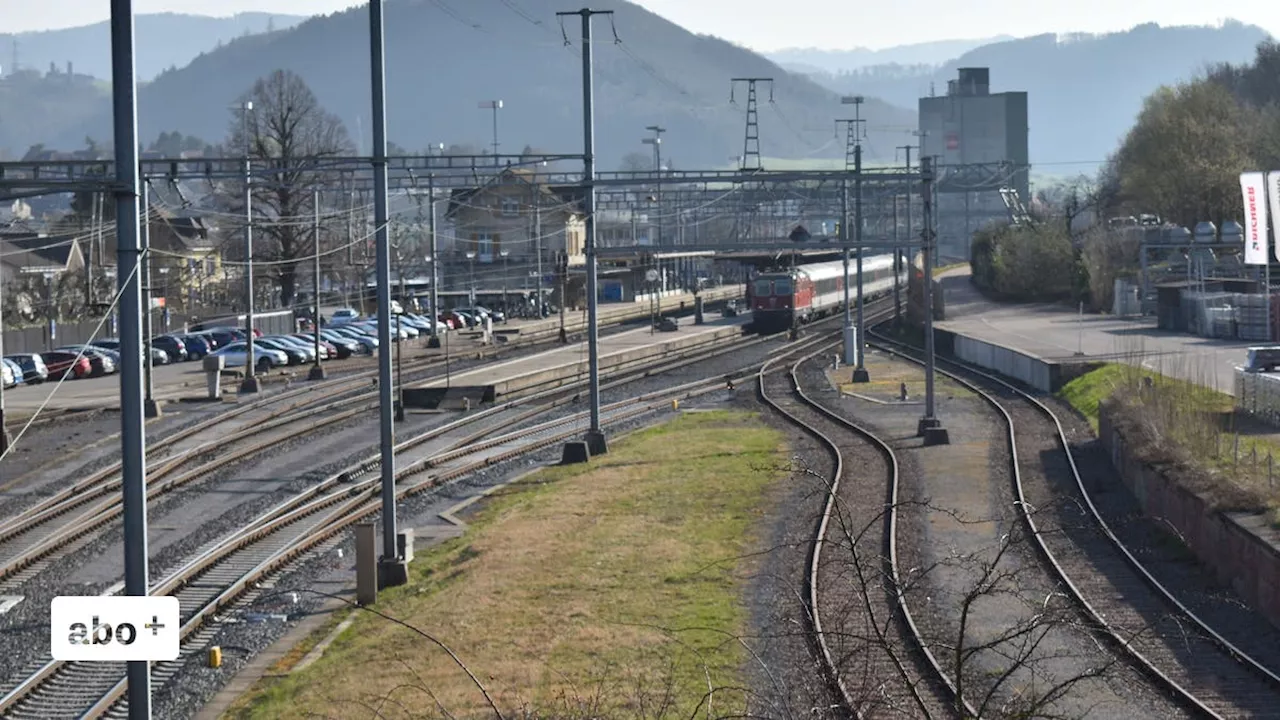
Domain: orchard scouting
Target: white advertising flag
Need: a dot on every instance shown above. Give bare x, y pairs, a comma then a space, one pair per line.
1273, 189
1253, 186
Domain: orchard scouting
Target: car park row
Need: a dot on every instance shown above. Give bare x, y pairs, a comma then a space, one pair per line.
346, 335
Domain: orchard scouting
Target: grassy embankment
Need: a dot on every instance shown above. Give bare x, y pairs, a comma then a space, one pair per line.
1190, 425
619, 580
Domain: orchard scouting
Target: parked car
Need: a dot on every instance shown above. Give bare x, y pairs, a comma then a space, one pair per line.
10, 373
101, 360
344, 315
308, 346
471, 319
171, 344
308, 349
221, 336
197, 346
158, 356
33, 368
66, 364
293, 355
428, 322
452, 319
264, 358
368, 343
334, 350
497, 315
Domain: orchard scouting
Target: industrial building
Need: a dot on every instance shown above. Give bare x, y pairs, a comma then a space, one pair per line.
971, 126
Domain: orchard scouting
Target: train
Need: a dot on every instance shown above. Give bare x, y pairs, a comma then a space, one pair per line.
784, 298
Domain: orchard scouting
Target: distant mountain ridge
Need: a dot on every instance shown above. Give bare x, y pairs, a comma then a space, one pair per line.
836, 61
1084, 91
164, 40
658, 73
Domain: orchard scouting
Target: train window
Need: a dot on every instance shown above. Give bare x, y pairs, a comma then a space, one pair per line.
782, 286
762, 288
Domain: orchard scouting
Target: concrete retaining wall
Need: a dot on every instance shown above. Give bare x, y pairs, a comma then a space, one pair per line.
1030, 371
1044, 375
1241, 549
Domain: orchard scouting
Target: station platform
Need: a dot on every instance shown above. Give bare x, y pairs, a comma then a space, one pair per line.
569, 363
1053, 333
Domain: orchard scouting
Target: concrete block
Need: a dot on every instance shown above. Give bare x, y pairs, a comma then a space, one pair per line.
392, 572
575, 452
404, 544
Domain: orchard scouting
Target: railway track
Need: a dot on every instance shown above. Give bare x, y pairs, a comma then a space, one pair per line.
254, 411
223, 575
62, 523
873, 652
1181, 651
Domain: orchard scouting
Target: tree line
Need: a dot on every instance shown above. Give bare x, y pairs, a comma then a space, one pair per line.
1183, 157
1181, 161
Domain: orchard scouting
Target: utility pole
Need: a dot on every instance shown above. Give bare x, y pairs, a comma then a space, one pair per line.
656, 142
930, 427
317, 372
434, 342
850, 330
133, 434
562, 271
853, 142
393, 570
250, 382
149, 406
595, 438
897, 251
537, 239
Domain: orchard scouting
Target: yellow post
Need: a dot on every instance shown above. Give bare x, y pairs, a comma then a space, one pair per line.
215, 656
675, 404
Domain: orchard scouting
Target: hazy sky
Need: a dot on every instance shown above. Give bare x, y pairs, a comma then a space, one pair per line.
766, 24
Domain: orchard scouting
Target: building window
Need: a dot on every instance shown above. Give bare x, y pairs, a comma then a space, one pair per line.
485, 243
510, 207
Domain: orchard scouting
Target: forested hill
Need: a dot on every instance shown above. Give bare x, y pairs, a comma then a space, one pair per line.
442, 60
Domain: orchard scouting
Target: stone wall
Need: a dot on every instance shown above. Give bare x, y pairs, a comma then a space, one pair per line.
1241, 549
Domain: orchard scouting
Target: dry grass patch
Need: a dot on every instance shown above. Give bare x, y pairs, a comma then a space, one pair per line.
588, 590
887, 375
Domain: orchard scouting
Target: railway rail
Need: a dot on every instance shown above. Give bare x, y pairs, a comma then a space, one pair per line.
1181, 651
225, 573
915, 677
62, 523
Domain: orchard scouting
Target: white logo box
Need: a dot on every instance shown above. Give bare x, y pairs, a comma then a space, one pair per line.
114, 629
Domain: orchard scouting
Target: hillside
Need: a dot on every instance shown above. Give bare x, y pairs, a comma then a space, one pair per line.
32, 103
441, 64
1084, 91
164, 40
838, 61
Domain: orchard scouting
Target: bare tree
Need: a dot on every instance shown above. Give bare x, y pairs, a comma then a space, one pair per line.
292, 133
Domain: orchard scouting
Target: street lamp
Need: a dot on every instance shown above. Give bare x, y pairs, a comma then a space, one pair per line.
471, 257
505, 307
495, 106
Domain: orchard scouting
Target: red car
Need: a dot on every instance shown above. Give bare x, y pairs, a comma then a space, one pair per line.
67, 364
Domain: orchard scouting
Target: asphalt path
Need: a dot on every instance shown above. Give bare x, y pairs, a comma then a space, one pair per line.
1054, 332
